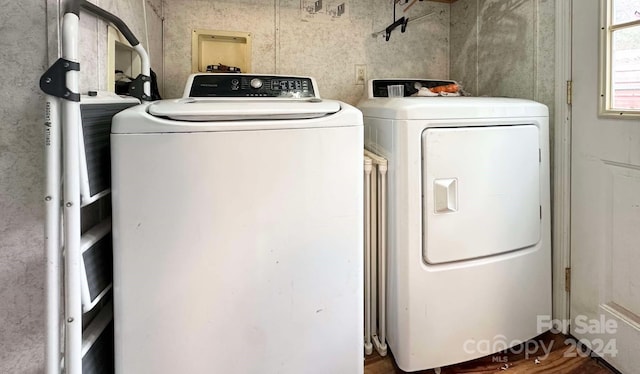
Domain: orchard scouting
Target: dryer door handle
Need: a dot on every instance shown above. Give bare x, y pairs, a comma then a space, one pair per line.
445, 195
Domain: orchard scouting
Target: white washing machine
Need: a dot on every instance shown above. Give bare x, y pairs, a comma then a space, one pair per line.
237, 230
469, 229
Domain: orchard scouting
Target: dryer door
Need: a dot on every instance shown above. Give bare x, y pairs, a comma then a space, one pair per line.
481, 191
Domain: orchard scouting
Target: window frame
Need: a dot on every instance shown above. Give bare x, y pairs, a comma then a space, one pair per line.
607, 28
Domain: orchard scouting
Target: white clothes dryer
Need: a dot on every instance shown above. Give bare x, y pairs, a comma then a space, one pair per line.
237, 230
469, 253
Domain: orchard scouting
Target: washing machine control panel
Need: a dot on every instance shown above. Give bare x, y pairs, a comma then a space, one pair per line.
246, 85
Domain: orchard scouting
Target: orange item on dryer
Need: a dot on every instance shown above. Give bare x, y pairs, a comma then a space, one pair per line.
450, 88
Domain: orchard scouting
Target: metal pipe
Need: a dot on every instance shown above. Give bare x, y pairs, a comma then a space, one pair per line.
145, 63
379, 270
368, 347
373, 234
411, 20
382, 169
71, 156
52, 233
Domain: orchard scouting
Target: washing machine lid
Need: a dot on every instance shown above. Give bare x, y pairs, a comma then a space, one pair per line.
170, 116
212, 110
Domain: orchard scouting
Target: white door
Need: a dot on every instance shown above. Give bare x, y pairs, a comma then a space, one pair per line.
605, 215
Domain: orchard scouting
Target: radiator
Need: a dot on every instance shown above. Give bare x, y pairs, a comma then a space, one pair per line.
375, 253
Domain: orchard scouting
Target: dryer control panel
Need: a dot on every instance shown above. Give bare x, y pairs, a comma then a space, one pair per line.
250, 86
379, 87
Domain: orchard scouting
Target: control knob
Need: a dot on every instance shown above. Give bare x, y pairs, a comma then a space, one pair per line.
256, 83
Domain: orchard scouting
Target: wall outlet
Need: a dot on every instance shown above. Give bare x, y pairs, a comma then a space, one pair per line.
361, 74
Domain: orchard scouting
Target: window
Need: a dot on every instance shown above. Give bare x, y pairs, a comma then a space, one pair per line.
620, 83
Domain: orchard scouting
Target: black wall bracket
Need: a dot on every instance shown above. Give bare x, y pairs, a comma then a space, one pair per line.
54, 81
136, 88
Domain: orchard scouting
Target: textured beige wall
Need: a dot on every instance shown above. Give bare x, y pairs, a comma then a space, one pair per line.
284, 44
23, 58
504, 48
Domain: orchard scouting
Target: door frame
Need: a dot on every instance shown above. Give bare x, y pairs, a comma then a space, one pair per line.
561, 207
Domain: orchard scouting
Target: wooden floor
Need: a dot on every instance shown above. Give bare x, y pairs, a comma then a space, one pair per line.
557, 361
